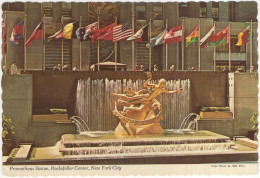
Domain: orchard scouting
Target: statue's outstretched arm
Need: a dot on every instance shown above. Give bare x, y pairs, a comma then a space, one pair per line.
129, 98
118, 95
171, 92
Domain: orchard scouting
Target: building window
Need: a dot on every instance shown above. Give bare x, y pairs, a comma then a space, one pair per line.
234, 48
158, 11
140, 11
47, 9
203, 10
215, 11
66, 9
183, 9
232, 7
53, 53
15, 6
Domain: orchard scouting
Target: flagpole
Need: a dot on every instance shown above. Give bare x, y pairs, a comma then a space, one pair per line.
182, 45
5, 12
115, 48
24, 28
199, 46
150, 49
214, 54
251, 45
80, 50
62, 47
133, 43
166, 50
98, 47
43, 45
229, 47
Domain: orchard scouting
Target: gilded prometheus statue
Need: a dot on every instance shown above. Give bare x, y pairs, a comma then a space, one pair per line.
139, 112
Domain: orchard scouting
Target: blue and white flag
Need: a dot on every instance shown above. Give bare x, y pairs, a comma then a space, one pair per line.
157, 40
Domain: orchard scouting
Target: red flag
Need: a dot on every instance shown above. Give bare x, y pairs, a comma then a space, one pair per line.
37, 34
105, 33
174, 35
221, 37
17, 32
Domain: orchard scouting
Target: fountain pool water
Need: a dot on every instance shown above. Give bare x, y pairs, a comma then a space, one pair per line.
109, 145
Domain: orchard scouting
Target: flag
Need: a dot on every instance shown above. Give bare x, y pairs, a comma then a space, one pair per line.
69, 31
17, 32
105, 33
157, 40
122, 31
80, 33
50, 38
140, 35
89, 29
205, 39
84, 33
244, 36
4, 43
174, 35
193, 37
219, 38
37, 34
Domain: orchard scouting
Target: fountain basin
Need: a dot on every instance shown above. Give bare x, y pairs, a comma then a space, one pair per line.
169, 148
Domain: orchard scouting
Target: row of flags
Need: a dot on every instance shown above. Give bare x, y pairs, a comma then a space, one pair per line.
221, 37
120, 32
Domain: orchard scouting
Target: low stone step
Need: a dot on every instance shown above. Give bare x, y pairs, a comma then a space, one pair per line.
23, 152
246, 141
4, 159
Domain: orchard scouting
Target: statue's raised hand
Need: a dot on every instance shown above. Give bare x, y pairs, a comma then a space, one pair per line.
179, 90
148, 74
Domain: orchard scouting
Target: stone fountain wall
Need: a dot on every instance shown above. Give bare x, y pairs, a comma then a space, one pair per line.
95, 105
58, 89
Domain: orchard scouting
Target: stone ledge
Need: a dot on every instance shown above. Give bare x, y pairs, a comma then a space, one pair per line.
50, 118
217, 115
23, 152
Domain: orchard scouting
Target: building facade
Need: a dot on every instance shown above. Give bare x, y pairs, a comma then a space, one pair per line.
162, 15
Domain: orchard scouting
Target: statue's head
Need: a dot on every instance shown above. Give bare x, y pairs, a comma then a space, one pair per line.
162, 82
